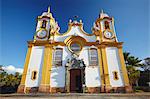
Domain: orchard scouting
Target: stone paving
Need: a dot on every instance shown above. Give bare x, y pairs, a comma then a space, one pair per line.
77, 96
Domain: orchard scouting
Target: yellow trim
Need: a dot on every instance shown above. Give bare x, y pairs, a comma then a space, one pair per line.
123, 67
26, 64
113, 25
105, 66
74, 39
47, 65
114, 28
101, 66
77, 39
69, 47
100, 19
100, 31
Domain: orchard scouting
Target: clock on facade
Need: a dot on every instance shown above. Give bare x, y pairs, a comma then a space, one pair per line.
42, 33
108, 34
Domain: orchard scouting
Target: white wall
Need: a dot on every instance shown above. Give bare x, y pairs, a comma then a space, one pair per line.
84, 55
113, 62
92, 77
92, 74
57, 78
35, 64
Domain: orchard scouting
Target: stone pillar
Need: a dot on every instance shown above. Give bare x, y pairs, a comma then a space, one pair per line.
105, 67
101, 70
128, 88
21, 87
68, 80
46, 70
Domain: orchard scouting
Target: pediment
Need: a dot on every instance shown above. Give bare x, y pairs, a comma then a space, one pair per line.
76, 29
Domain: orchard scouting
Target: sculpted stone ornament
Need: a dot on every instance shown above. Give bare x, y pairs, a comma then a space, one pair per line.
75, 62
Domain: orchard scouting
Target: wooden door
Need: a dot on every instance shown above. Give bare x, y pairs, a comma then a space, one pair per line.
75, 80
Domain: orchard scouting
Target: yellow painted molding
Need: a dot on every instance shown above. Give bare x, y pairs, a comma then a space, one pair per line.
123, 67
26, 64
105, 66
47, 65
101, 19
101, 66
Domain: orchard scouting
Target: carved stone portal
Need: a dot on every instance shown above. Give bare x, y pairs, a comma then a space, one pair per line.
75, 75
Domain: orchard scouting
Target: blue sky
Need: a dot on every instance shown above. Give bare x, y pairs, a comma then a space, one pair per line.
18, 22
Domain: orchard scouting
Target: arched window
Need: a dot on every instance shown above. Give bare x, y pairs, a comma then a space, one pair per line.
44, 24
107, 25
115, 75
75, 47
57, 57
34, 74
93, 57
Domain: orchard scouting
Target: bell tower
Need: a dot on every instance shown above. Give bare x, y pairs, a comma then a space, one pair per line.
104, 28
46, 26
111, 55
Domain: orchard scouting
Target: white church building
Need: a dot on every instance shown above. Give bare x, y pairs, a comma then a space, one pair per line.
74, 61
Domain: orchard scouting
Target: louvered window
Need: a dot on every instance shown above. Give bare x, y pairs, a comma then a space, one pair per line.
57, 57
93, 57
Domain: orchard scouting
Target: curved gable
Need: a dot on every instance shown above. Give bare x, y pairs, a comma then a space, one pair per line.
75, 28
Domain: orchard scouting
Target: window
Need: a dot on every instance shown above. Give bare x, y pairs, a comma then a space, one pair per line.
34, 74
115, 75
57, 57
107, 25
44, 24
75, 47
93, 57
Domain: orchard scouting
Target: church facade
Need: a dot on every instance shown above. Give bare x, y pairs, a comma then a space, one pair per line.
74, 61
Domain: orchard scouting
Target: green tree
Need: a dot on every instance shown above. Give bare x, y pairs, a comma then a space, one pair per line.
9, 82
134, 75
132, 63
126, 56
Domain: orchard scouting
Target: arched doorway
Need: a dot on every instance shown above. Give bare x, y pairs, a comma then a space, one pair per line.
75, 75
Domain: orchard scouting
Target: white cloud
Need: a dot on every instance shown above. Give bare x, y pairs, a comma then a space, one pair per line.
10, 69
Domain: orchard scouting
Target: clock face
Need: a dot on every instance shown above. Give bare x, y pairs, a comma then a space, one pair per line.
108, 34
42, 34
